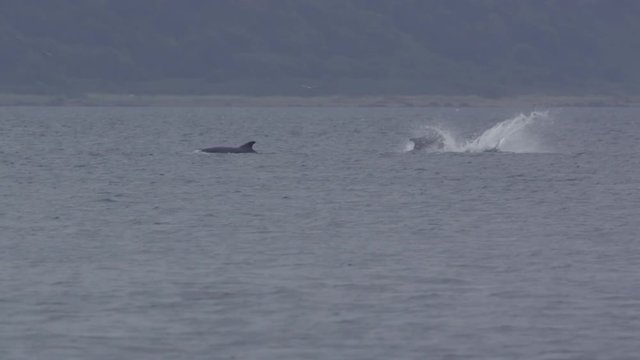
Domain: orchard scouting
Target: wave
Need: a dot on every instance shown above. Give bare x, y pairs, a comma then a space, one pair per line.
517, 135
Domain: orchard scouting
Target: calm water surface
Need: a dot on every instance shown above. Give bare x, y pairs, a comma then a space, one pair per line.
119, 241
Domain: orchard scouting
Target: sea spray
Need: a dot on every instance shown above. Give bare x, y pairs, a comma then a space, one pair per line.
515, 135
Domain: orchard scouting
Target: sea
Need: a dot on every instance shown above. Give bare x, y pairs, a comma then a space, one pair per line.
517, 237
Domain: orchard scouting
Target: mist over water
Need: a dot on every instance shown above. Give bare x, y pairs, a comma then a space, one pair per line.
119, 241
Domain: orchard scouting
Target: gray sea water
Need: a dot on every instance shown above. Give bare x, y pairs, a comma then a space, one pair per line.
118, 240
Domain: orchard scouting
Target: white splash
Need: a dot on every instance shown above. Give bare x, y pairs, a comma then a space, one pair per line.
515, 135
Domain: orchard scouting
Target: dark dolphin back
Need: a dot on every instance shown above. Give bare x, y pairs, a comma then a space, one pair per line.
246, 148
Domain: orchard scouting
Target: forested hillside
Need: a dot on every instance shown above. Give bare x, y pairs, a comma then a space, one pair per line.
313, 47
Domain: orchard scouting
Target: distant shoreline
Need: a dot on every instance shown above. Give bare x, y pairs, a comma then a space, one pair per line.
123, 100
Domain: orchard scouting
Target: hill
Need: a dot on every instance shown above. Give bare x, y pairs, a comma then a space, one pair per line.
309, 47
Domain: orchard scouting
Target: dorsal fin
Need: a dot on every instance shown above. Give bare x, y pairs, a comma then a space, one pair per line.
248, 146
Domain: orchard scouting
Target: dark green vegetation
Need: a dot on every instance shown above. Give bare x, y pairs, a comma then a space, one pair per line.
491, 48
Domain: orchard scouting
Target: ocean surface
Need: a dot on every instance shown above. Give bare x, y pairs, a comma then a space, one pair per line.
517, 237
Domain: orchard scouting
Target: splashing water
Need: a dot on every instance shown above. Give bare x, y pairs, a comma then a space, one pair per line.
512, 135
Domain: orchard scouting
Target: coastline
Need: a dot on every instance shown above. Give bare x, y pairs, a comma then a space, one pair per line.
114, 100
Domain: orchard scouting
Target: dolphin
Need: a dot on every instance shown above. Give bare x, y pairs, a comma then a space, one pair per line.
428, 142
246, 148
